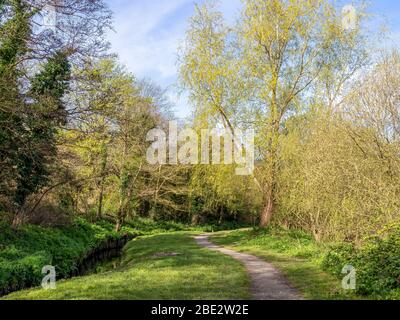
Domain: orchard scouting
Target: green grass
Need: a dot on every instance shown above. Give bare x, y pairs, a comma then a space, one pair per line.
195, 273
295, 253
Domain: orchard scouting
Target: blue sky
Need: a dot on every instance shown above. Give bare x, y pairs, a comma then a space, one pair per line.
148, 33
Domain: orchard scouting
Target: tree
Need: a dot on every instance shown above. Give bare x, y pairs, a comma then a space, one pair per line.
44, 115
13, 31
112, 114
340, 175
35, 67
264, 69
29, 118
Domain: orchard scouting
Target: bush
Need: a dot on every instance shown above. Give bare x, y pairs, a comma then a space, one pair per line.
377, 263
339, 256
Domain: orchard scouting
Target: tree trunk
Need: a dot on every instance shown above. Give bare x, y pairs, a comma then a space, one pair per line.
270, 194
18, 220
221, 216
268, 211
120, 216
272, 169
195, 220
102, 180
100, 208
118, 225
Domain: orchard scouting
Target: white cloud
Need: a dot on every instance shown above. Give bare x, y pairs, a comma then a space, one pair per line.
144, 49
148, 34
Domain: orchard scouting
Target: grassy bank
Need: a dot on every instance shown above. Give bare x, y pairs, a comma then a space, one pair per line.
24, 252
295, 253
168, 266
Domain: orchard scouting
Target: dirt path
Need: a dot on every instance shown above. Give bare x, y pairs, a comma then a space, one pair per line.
267, 283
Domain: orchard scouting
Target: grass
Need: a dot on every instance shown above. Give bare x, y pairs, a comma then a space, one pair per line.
144, 273
295, 253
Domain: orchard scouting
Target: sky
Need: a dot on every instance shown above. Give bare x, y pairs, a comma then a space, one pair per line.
147, 35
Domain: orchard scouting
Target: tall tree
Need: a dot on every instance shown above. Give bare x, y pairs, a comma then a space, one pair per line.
14, 30
264, 69
34, 77
43, 116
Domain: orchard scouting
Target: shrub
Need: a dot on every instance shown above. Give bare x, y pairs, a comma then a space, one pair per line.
377, 263
339, 256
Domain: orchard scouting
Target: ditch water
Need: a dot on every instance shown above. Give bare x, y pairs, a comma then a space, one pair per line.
107, 255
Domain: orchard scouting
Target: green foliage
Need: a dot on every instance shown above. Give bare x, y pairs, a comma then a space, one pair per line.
218, 194
377, 263
34, 78
338, 181
339, 256
49, 87
28, 120
13, 33
33, 162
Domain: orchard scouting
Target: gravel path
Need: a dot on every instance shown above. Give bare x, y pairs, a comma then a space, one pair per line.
267, 283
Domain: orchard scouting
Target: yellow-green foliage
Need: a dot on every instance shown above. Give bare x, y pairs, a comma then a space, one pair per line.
262, 70
341, 172
217, 192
